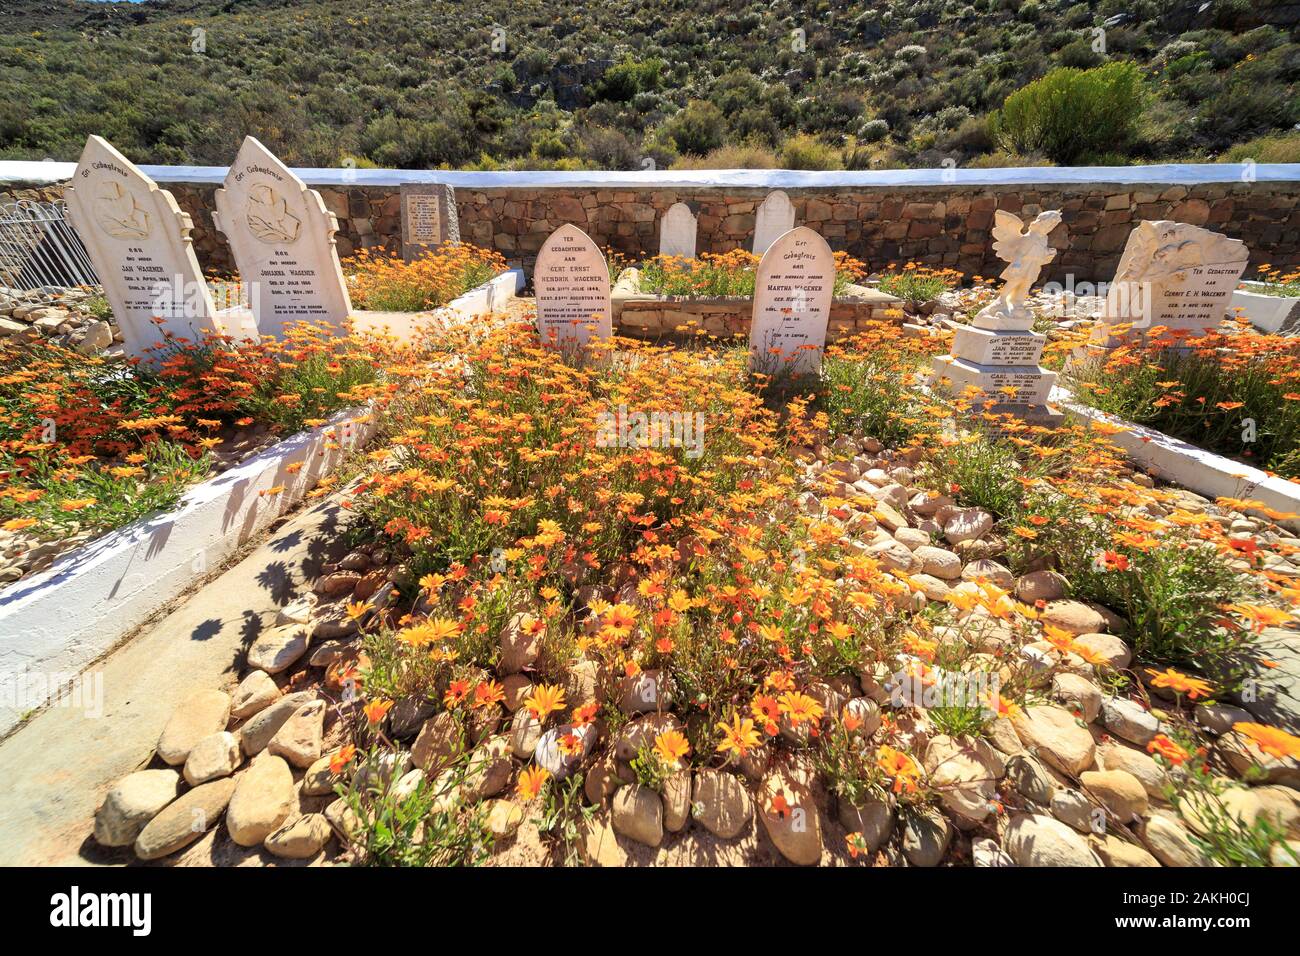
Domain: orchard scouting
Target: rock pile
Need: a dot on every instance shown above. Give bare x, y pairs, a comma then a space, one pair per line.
74, 318
1068, 780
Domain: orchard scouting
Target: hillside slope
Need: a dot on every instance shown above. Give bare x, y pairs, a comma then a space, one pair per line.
627, 83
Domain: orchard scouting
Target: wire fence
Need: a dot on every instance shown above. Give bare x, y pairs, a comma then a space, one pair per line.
40, 253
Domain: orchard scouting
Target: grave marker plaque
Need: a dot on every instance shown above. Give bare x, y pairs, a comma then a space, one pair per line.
428, 218
282, 237
139, 242
792, 304
571, 280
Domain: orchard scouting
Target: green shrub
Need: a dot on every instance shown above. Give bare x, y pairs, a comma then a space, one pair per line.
698, 128
1273, 148
625, 80
1070, 113
731, 157
808, 152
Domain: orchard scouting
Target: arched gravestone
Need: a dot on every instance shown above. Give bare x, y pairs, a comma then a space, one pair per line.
139, 242
282, 237
677, 230
571, 280
792, 304
774, 219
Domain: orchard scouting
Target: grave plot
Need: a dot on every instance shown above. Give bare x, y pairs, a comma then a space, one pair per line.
1169, 353
859, 628
601, 601
1271, 301
713, 294
455, 283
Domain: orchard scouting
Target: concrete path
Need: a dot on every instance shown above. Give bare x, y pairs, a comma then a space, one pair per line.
55, 769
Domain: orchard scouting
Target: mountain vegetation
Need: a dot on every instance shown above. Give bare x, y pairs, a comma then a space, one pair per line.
638, 84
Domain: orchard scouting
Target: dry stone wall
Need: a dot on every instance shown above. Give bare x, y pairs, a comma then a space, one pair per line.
941, 226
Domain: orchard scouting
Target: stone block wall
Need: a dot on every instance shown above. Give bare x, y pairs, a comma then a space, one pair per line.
653, 318
941, 226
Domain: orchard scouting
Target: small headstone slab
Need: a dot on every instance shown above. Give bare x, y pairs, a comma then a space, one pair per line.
571, 280
774, 219
1006, 385
428, 218
792, 304
139, 242
282, 237
1175, 275
995, 347
677, 232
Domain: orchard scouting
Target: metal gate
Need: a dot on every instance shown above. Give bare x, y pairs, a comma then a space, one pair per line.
40, 252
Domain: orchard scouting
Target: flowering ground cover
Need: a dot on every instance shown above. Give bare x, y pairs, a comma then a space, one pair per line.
1235, 391
852, 624
914, 283
1274, 281
715, 275
90, 443
383, 283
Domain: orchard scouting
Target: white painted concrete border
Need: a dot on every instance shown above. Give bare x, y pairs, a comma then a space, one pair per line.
54, 624
1185, 464
1274, 314
492, 296
1182, 174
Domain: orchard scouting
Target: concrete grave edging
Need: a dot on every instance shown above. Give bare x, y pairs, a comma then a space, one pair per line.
1185, 464
56, 623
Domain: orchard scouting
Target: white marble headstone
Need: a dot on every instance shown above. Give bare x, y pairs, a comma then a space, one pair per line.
677, 232
1174, 275
994, 359
139, 242
571, 281
793, 289
774, 219
282, 237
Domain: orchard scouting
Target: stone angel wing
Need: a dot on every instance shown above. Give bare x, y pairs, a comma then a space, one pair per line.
1008, 230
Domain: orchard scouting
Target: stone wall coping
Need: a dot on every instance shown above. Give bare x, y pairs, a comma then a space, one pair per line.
23, 173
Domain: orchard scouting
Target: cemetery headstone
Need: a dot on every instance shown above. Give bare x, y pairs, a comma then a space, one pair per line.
677, 231
793, 288
995, 358
571, 281
774, 219
429, 218
282, 237
1171, 275
139, 242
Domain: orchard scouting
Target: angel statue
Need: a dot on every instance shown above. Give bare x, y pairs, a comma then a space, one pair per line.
1027, 251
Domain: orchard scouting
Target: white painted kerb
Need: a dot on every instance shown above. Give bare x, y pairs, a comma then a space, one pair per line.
1185, 464
63, 619
492, 296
